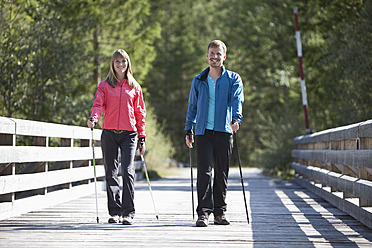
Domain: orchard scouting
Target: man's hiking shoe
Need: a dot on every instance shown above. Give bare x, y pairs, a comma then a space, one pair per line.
221, 220
202, 221
114, 219
127, 220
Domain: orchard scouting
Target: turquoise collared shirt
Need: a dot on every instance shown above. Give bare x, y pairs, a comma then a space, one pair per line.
211, 103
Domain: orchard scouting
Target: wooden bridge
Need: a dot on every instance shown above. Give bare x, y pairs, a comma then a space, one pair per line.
47, 196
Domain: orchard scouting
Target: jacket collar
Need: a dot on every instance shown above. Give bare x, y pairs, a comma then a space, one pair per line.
118, 83
203, 76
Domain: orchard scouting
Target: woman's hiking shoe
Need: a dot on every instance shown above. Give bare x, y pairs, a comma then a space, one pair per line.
127, 220
202, 221
221, 220
114, 219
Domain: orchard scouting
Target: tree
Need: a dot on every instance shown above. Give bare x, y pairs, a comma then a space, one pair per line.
186, 33
349, 58
13, 53
53, 53
49, 58
39, 75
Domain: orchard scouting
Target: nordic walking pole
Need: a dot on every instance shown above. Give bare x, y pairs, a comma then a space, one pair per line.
241, 176
95, 178
192, 186
148, 182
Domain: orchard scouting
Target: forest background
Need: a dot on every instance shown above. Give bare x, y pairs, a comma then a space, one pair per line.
53, 54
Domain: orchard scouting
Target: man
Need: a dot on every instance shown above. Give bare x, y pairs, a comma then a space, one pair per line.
215, 105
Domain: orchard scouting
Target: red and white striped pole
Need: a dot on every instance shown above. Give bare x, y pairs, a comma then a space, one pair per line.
303, 84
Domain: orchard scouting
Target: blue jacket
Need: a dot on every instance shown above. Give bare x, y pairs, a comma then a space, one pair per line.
229, 102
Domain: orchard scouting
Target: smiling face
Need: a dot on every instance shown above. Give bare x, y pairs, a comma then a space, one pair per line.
120, 65
216, 56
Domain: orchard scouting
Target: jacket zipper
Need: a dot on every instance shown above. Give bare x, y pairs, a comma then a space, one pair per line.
121, 87
206, 112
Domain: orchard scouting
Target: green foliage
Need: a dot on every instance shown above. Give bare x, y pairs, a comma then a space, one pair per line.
158, 146
13, 55
276, 158
262, 49
349, 58
53, 54
181, 49
336, 43
50, 56
41, 78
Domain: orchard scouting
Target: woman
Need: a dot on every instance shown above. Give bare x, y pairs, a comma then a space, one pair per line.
120, 97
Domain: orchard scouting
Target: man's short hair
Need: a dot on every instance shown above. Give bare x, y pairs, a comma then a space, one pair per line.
218, 43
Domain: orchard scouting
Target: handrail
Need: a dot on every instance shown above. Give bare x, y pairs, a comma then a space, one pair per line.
336, 164
43, 164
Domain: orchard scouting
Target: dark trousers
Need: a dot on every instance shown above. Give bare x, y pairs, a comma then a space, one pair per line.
213, 149
127, 142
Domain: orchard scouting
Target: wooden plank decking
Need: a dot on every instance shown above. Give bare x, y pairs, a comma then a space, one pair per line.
282, 214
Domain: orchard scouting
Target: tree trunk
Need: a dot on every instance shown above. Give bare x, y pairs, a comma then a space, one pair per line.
96, 46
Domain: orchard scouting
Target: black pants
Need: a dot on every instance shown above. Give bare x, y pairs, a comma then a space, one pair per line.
213, 148
127, 142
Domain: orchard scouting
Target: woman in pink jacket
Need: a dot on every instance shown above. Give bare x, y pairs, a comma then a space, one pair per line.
119, 96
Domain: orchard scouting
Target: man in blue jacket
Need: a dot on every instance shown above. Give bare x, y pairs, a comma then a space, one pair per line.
215, 106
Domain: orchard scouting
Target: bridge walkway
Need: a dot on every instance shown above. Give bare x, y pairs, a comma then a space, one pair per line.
282, 214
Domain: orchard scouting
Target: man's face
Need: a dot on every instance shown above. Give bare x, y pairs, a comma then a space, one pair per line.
216, 56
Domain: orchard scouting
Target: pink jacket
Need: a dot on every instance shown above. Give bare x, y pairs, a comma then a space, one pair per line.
123, 107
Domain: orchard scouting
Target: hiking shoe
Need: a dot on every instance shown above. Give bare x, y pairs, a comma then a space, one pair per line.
202, 221
114, 219
127, 220
221, 220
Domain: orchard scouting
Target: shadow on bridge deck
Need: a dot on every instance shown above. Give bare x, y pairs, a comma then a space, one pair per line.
282, 214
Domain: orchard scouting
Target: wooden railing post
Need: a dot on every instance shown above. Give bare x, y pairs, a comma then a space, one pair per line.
7, 168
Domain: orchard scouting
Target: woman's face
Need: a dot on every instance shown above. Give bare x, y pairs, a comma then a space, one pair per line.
120, 65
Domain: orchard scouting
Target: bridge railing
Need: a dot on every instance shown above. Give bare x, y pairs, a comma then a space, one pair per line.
336, 164
43, 164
